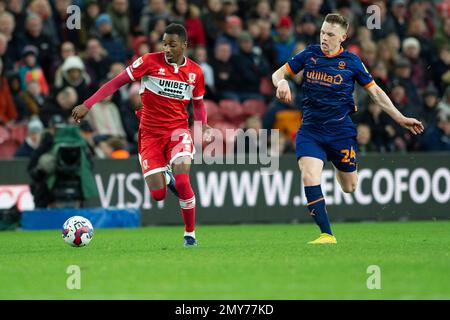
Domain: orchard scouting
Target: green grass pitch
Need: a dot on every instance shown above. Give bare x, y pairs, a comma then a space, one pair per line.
232, 262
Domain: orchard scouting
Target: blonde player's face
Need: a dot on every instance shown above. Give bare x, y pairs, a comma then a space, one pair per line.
331, 37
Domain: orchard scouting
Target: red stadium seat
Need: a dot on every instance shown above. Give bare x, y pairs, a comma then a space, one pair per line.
213, 111
4, 134
8, 149
232, 111
254, 107
266, 87
19, 133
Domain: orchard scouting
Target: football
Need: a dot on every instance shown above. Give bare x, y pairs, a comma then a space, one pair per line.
77, 231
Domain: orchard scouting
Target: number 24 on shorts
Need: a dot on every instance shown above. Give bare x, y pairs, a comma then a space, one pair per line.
349, 155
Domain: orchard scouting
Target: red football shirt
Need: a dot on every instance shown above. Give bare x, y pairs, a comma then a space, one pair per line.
166, 90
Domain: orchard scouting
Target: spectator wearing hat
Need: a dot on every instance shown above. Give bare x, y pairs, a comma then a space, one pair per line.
73, 74
403, 75
33, 139
30, 70
233, 27
429, 111
67, 49
251, 66
284, 40
412, 51
108, 38
8, 111
306, 30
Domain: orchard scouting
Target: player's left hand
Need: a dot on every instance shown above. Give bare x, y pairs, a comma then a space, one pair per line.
413, 125
207, 133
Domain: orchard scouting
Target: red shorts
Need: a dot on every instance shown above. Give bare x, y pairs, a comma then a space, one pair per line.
156, 151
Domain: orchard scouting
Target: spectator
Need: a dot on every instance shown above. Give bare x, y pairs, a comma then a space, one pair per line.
411, 50
440, 69
201, 57
97, 61
105, 119
60, 19
311, 7
44, 11
30, 70
32, 99
67, 50
429, 112
445, 101
281, 9
378, 121
403, 75
33, 139
8, 112
225, 76
284, 40
157, 33
74, 75
153, 11
266, 42
88, 18
118, 11
306, 30
442, 36
387, 22
364, 138
230, 7
108, 38
233, 27
46, 46
213, 18
62, 105
251, 66
250, 136
437, 138
399, 14
16, 7
261, 10
189, 16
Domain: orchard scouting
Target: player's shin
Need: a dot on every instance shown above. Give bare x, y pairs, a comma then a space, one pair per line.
187, 202
317, 208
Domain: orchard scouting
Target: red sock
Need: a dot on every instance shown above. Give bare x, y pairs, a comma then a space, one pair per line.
159, 194
187, 200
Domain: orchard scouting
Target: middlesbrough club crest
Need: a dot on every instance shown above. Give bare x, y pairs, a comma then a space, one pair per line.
192, 77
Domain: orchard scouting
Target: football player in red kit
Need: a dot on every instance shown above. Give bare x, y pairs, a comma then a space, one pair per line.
169, 81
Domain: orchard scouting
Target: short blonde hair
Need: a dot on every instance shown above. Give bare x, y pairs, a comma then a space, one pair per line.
336, 18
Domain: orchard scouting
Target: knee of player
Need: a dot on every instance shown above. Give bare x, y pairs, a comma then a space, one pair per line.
159, 194
310, 179
349, 188
182, 180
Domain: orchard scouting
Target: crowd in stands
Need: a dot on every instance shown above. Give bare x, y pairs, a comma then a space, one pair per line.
47, 67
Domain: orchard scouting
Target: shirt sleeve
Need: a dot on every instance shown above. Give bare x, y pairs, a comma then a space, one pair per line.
139, 67
297, 62
199, 89
362, 75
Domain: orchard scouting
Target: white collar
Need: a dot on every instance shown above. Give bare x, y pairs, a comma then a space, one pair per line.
175, 66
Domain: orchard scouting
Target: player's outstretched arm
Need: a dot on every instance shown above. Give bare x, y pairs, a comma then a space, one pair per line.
80, 111
280, 82
381, 98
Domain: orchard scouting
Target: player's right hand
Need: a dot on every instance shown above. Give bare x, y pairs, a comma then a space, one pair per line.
79, 112
284, 92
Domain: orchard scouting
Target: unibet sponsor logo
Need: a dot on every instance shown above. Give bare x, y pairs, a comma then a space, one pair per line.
173, 88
